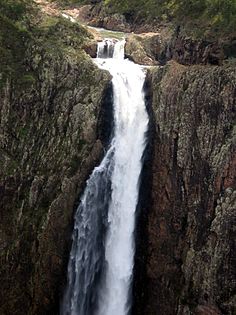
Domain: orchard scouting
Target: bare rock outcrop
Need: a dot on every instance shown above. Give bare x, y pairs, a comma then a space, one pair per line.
143, 48
99, 16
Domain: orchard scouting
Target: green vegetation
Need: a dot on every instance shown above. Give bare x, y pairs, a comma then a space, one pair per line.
219, 13
13, 37
23, 132
213, 14
14, 10
107, 33
69, 2
57, 34
22, 27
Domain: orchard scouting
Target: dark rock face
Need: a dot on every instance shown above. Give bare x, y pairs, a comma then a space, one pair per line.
188, 51
161, 47
141, 230
91, 48
190, 260
99, 16
49, 143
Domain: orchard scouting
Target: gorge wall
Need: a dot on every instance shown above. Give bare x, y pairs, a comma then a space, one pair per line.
189, 253
52, 134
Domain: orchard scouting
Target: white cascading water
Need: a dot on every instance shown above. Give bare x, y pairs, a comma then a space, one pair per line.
102, 255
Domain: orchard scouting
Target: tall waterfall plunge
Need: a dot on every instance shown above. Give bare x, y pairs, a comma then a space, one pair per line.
102, 255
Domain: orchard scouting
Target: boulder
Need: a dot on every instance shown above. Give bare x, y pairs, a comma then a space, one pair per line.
143, 49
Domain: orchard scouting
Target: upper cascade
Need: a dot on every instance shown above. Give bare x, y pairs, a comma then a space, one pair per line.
111, 48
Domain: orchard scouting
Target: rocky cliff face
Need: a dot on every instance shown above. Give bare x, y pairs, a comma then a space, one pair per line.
168, 44
51, 137
190, 246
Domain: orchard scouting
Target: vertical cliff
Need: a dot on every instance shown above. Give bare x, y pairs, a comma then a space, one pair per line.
190, 262
52, 128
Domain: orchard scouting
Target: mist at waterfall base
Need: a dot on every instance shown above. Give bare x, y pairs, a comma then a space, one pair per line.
102, 256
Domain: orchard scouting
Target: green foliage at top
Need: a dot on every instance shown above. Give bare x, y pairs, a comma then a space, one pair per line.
12, 9
219, 13
213, 14
22, 27
69, 2
13, 37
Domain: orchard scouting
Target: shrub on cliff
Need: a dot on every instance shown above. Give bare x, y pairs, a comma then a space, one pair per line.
13, 37
13, 9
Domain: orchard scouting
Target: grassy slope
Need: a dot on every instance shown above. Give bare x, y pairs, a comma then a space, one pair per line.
22, 27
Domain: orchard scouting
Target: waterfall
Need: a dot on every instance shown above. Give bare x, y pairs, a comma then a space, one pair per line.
105, 49
102, 256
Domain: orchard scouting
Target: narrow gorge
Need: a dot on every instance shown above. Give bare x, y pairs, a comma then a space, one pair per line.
118, 160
